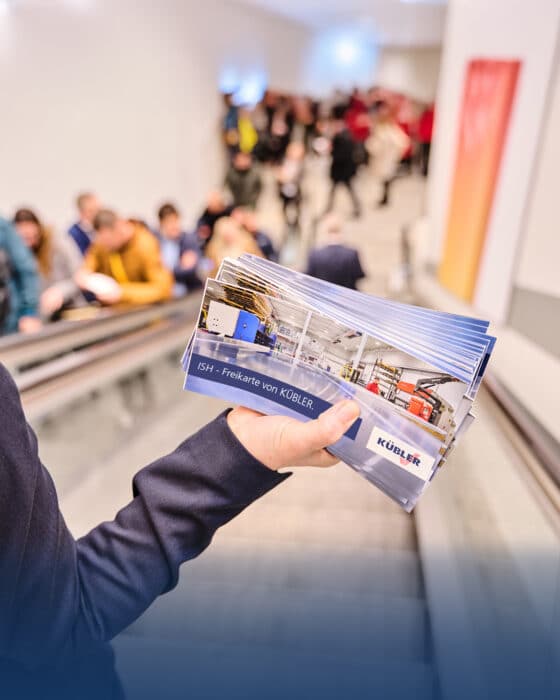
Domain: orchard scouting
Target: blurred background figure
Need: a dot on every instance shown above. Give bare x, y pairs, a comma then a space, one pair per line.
82, 232
180, 251
425, 131
334, 260
343, 162
57, 262
248, 136
289, 177
387, 145
230, 240
359, 125
216, 208
230, 126
248, 220
127, 253
244, 180
19, 284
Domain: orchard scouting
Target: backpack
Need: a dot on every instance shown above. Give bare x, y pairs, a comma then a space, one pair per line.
4, 288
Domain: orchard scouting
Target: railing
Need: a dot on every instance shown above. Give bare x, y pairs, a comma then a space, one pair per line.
68, 360
19, 352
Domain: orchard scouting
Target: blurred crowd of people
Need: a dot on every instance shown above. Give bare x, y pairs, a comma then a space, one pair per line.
107, 259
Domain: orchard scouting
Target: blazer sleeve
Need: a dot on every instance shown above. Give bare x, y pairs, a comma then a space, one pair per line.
58, 595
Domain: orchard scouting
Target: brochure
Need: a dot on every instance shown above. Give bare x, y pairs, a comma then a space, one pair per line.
280, 342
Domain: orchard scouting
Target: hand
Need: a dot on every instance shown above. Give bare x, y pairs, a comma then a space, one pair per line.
52, 300
189, 259
278, 441
111, 296
29, 324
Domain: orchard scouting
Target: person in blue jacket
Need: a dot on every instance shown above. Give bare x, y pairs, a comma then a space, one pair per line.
82, 231
62, 600
21, 281
180, 251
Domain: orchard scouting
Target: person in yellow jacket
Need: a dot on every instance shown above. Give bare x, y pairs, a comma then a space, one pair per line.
127, 252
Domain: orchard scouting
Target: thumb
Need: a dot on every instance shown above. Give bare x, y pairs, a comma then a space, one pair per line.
327, 429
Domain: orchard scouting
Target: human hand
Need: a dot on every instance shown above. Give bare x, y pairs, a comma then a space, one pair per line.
29, 324
189, 259
109, 296
278, 441
52, 300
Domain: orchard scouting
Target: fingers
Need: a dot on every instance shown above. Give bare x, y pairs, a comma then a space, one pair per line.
331, 425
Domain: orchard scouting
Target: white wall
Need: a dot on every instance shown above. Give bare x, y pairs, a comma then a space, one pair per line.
412, 71
120, 96
539, 254
501, 29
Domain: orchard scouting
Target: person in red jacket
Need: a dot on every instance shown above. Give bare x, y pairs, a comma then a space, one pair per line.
425, 130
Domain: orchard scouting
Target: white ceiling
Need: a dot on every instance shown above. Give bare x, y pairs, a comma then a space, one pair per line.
389, 22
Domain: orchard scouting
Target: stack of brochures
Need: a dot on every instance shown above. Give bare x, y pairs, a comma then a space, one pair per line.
280, 342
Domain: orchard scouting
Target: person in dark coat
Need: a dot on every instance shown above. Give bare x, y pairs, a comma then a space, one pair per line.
62, 600
244, 180
343, 163
215, 209
334, 261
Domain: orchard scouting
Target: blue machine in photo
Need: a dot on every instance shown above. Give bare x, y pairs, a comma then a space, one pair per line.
246, 327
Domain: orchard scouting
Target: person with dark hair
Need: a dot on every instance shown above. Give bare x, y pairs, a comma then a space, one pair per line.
180, 251
343, 163
19, 284
82, 231
57, 263
244, 181
127, 252
62, 600
216, 208
230, 124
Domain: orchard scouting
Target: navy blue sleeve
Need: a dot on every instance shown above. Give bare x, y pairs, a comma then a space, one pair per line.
188, 276
56, 594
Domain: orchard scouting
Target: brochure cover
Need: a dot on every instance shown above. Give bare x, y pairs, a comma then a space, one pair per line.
289, 350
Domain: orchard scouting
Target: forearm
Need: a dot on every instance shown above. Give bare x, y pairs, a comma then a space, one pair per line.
180, 501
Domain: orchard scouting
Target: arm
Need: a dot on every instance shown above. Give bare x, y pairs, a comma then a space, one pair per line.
59, 595
56, 591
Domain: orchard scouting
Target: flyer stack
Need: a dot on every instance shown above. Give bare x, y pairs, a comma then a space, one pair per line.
280, 342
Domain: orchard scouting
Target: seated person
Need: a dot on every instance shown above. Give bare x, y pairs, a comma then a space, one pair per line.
230, 240
57, 262
216, 208
19, 284
180, 251
248, 220
335, 261
129, 253
82, 231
